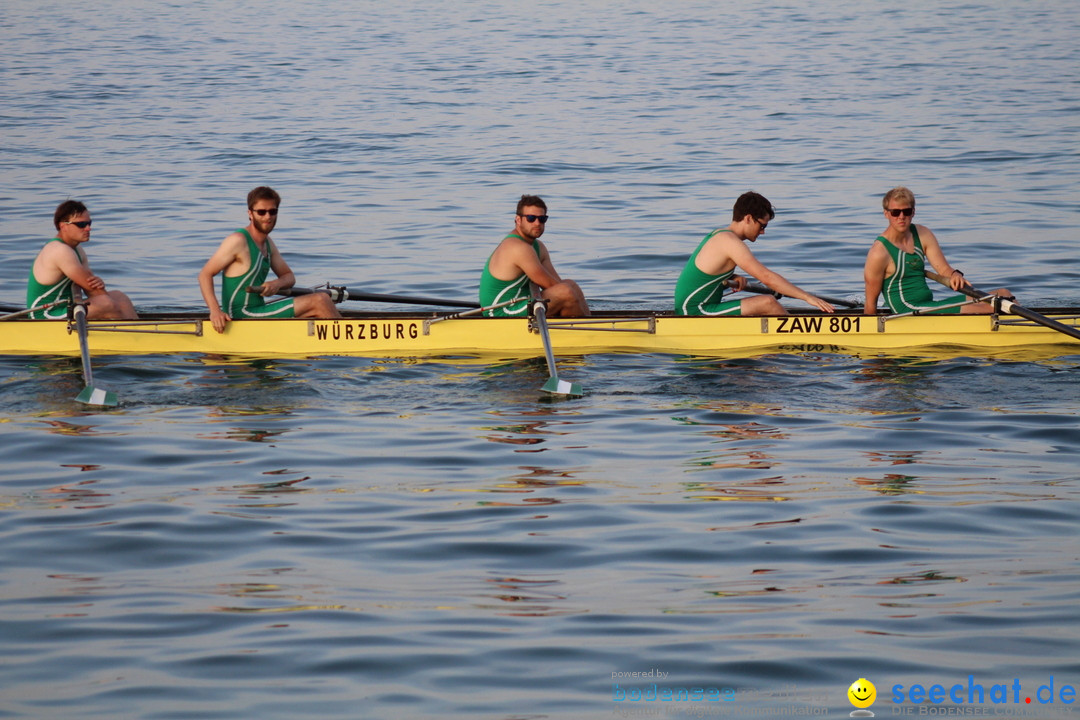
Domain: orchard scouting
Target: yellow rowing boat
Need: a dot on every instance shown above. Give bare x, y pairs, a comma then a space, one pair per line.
412, 334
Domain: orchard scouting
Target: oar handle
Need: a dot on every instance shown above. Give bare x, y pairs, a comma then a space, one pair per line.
340, 294
762, 290
750, 287
1007, 305
1000, 304
965, 288
334, 293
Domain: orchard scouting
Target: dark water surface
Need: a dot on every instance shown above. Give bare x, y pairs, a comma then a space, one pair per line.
355, 538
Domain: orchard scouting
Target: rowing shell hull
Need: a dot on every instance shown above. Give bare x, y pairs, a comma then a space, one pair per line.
413, 335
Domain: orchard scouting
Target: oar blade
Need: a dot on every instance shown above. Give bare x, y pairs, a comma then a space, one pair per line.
90, 394
553, 385
96, 396
557, 386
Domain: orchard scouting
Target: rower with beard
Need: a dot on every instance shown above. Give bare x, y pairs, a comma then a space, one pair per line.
244, 259
520, 261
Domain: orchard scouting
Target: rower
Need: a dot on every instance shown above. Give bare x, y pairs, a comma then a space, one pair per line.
712, 266
61, 267
245, 258
896, 263
521, 259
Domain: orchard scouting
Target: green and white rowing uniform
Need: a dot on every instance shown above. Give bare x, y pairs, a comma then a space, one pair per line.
40, 294
238, 302
906, 289
494, 291
699, 293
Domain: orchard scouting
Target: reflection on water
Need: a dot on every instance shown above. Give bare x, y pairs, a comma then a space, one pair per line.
62, 427
930, 576
245, 434
744, 492
890, 484
527, 597
901, 457
84, 495
286, 486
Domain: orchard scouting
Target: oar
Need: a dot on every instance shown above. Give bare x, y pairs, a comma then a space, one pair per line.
1006, 305
553, 384
762, 290
90, 395
340, 294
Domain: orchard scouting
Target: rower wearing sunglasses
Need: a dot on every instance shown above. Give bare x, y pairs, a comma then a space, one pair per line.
711, 268
896, 265
61, 268
244, 259
522, 260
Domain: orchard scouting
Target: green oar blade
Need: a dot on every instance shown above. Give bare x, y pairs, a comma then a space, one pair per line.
96, 396
553, 384
90, 395
562, 387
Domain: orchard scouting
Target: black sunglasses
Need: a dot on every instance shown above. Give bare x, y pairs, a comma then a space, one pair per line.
260, 212
534, 218
897, 212
81, 224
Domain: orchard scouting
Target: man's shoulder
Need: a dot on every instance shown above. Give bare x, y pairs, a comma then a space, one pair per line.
236, 239
57, 248
925, 234
727, 242
515, 245
512, 254
53, 243
878, 252
722, 235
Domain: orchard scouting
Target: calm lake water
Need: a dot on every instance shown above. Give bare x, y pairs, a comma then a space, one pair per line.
356, 538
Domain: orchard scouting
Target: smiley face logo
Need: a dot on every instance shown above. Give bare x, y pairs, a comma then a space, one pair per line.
862, 693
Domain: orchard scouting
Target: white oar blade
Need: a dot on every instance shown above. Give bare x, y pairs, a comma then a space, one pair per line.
96, 396
562, 387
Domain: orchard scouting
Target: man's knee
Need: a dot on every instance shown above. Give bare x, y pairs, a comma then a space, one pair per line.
315, 304
111, 311
762, 305
565, 300
101, 307
326, 305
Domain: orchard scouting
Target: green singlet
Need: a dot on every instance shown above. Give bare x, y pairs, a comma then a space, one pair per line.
41, 294
238, 302
699, 293
494, 291
906, 289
